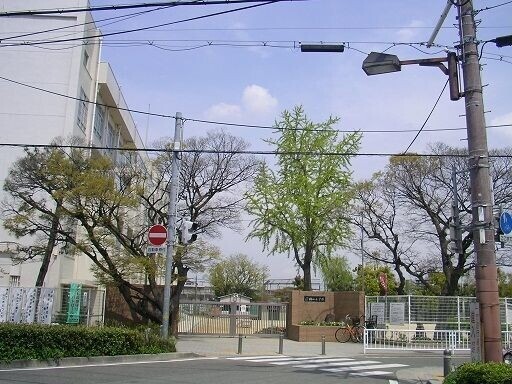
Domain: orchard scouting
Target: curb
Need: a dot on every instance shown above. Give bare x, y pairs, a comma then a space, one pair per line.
79, 361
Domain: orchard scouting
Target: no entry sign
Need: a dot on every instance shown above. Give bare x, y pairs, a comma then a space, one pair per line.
157, 235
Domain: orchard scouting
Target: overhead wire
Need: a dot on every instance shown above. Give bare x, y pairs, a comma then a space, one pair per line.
213, 122
131, 6
93, 22
428, 117
103, 35
492, 7
243, 152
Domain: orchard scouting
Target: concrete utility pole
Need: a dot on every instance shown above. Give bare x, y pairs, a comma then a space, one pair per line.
171, 223
486, 272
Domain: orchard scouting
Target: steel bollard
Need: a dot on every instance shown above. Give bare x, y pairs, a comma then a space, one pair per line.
239, 344
323, 345
447, 362
281, 337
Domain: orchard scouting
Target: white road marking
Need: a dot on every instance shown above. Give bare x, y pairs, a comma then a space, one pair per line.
254, 357
393, 382
314, 361
340, 364
107, 364
380, 366
374, 373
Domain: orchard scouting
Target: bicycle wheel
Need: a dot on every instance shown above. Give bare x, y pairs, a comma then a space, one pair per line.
358, 334
342, 335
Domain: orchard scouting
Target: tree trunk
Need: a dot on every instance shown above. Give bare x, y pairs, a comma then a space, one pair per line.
307, 276
45, 262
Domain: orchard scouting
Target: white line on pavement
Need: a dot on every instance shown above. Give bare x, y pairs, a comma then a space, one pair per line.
380, 366
107, 364
340, 364
374, 373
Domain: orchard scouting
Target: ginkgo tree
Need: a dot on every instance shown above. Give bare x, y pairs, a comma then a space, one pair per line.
298, 205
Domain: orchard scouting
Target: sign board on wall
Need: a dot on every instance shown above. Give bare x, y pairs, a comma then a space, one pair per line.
396, 313
379, 310
314, 299
475, 333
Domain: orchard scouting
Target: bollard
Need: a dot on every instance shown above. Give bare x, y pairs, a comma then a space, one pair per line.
323, 345
281, 337
447, 362
239, 344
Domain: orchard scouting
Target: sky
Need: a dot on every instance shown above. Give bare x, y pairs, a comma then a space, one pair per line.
246, 67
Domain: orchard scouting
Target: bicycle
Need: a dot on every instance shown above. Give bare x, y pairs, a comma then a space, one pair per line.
351, 331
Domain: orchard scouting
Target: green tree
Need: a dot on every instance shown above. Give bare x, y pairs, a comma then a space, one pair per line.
238, 274
34, 204
298, 207
337, 274
111, 204
370, 273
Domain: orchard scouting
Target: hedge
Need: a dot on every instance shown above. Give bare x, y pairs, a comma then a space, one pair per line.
41, 342
481, 373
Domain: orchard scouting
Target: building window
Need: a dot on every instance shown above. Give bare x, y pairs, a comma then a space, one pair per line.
14, 281
99, 122
111, 140
83, 104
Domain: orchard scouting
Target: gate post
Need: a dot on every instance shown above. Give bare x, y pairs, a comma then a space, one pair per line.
232, 319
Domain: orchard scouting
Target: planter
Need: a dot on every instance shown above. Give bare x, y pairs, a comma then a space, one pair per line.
311, 332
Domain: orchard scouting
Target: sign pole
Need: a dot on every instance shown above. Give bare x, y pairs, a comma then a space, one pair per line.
171, 223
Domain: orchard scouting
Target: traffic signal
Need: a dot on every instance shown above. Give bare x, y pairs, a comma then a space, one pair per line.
188, 231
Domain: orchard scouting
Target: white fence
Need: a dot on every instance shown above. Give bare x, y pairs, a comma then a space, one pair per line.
68, 305
420, 340
426, 322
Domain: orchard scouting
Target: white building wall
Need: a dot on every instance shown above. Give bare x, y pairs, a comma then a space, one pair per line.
30, 116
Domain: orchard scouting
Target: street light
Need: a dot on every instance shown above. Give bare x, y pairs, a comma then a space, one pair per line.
322, 47
379, 63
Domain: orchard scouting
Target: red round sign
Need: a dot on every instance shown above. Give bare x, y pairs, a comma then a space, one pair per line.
157, 235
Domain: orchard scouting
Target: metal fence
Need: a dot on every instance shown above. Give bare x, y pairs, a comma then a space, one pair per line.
426, 322
74, 304
232, 318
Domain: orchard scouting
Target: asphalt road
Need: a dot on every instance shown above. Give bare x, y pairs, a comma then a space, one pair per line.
227, 370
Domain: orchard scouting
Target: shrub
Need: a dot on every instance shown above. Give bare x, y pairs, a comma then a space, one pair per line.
481, 373
30, 341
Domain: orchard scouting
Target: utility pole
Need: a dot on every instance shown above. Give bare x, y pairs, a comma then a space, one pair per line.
481, 196
171, 223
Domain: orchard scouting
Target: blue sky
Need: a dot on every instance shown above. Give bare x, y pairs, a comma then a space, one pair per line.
254, 84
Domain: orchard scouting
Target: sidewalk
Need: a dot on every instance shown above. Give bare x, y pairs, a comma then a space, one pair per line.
228, 346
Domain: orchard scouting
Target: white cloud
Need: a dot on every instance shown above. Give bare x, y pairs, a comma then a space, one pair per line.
223, 111
500, 120
407, 34
257, 99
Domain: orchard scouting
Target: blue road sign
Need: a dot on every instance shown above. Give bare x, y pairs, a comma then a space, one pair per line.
506, 223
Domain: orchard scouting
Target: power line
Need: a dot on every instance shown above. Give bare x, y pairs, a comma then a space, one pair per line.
83, 100
86, 38
93, 22
213, 122
428, 117
245, 152
130, 6
492, 7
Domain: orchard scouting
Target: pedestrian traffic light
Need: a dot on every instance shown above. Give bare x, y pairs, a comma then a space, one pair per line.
188, 231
